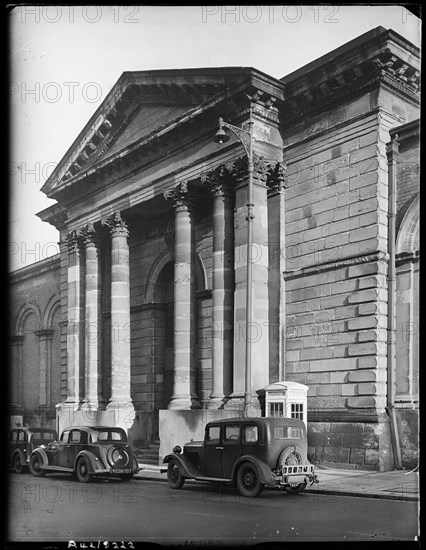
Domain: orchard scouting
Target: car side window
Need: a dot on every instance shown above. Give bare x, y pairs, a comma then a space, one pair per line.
64, 436
232, 433
21, 436
251, 434
75, 436
213, 434
14, 435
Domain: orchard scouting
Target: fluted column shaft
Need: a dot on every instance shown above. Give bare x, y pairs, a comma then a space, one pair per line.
184, 391
93, 319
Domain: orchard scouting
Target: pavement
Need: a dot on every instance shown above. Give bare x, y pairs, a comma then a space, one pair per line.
393, 485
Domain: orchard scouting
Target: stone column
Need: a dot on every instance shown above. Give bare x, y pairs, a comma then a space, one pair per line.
120, 401
93, 319
276, 240
259, 329
221, 183
184, 395
45, 345
75, 332
16, 372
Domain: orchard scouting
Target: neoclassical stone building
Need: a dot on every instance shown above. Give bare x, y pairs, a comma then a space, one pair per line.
152, 277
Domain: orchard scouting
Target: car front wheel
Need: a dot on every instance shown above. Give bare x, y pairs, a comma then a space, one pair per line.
82, 471
174, 475
36, 466
248, 481
17, 464
296, 489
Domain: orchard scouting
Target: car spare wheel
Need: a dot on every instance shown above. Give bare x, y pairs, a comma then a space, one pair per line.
291, 457
118, 457
248, 481
174, 475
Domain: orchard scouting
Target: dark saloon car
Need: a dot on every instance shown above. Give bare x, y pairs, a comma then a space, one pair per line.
87, 452
249, 452
22, 442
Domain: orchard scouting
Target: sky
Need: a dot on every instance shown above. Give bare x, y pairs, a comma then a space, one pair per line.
65, 59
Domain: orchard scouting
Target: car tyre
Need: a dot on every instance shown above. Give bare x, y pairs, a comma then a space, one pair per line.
82, 471
174, 475
248, 481
17, 464
36, 466
296, 489
126, 477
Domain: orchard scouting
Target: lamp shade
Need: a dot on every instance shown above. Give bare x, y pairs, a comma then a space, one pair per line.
221, 136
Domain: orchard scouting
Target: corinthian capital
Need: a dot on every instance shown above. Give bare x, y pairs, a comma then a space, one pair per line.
116, 225
72, 240
221, 180
180, 197
275, 180
90, 235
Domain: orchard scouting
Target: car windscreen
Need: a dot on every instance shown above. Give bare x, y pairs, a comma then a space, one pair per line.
42, 437
111, 435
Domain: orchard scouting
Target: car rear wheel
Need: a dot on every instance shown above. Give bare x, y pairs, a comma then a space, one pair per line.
248, 481
174, 475
295, 489
126, 477
36, 466
17, 464
82, 471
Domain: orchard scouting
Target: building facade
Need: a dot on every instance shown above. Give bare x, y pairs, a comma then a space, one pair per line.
152, 277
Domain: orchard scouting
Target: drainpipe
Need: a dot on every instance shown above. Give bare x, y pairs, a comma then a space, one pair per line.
392, 149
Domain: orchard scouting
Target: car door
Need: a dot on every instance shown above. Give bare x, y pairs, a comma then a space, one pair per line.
212, 455
231, 443
75, 445
62, 452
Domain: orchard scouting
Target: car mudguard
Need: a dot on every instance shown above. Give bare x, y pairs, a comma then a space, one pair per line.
22, 455
264, 471
181, 461
91, 462
42, 454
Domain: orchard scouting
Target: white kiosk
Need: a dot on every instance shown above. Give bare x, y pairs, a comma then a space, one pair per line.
287, 399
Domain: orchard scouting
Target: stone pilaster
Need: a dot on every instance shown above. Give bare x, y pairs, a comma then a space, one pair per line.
75, 332
259, 329
276, 239
221, 183
184, 390
45, 345
93, 319
120, 400
16, 372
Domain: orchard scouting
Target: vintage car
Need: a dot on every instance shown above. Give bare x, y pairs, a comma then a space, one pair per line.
248, 452
87, 452
22, 442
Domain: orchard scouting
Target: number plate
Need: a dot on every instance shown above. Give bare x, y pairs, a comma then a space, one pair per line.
126, 471
296, 479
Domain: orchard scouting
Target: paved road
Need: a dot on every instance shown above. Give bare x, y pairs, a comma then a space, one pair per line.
57, 508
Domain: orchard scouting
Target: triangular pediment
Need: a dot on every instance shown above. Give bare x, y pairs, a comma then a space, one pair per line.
138, 106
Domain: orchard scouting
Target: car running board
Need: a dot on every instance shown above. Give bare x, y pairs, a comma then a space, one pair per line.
58, 468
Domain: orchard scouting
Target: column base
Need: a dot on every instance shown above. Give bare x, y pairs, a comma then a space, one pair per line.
184, 402
93, 405
216, 402
237, 403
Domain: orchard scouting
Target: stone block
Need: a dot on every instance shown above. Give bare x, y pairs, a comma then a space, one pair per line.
368, 165
357, 456
329, 389
372, 457
348, 389
317, 378
362, 376
370, 336
336, 454
363, 296
367, 362
360, 207
329, 365
361, 402
363, 234
366, 389
359, 323
366, 348
363, 180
